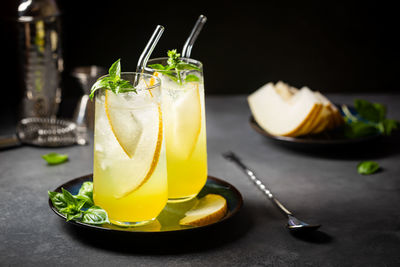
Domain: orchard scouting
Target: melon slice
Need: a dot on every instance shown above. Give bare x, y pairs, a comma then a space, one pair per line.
279, 116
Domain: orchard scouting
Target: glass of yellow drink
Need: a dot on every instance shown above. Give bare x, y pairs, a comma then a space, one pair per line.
130, 172
185, 127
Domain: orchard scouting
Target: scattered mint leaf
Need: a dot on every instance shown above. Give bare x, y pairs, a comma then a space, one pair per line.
95, 215
367, 167
192, 78
113, 81
55, 158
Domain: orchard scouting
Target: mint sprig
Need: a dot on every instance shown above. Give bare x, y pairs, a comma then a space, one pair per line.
113, 81
79, 207
370, 119
174, 68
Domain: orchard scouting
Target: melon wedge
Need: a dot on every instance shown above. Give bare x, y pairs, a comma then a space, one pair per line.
279, 116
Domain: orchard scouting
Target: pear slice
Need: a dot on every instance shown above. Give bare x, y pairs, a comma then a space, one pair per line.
208, 210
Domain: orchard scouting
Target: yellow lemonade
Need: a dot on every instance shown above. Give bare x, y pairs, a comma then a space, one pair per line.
130, 173
185, 141
185, 130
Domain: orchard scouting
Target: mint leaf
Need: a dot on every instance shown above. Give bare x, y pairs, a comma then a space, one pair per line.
95, 215
55, 158
192, 78
367, 167
115, 70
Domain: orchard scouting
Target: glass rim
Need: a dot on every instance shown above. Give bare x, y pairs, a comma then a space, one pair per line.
190, 60
156, 84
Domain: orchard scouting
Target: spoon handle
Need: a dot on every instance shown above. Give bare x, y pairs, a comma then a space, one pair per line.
232, 157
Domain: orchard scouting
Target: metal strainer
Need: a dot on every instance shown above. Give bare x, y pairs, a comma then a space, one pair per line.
45, 132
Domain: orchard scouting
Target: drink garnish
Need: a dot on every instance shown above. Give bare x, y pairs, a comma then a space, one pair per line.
175, 66
113, 81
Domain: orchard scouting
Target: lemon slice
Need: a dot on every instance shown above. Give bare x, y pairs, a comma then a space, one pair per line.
184, 116
139, 133
209, 209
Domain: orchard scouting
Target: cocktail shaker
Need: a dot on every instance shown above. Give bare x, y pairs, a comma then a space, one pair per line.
40, 56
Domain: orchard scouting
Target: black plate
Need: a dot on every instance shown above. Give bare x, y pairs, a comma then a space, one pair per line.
168, 219
331, 138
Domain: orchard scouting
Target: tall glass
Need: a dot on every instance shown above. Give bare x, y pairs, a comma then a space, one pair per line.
130, 172
185, 129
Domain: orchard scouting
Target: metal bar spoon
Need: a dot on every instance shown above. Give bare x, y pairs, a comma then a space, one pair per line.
293, 224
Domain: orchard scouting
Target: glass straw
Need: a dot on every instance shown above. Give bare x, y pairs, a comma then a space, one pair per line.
187, 48
151, 44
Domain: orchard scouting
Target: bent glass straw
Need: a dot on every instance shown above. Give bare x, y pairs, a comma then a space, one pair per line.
187, 48
151, 44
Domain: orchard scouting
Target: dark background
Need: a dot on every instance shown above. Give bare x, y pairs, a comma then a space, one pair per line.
328, 46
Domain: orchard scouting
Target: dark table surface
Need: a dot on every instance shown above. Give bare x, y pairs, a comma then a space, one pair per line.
360, 214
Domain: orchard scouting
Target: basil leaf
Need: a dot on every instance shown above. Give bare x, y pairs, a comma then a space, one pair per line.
389, 126
74, 216
170, 74
358, 129
156, 66
173, 57
373, 112
192, 78
55, 158
367, 167
95, 215
86, 194
187, 66
69, 197
86, 189
115, 70
57, 199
